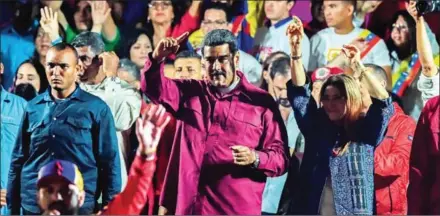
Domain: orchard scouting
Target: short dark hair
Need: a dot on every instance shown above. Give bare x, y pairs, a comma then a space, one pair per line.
379, 72
64, 46
219, 37
218, 6
280, 66
130, 67
188, 54
91, 39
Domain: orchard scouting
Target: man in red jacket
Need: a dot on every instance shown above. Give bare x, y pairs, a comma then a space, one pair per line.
391, 159
424, 184
61, 186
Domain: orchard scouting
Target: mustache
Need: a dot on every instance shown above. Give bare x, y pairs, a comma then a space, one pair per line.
218, 73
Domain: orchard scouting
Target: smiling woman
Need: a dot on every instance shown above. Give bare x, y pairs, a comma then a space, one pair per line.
33, 73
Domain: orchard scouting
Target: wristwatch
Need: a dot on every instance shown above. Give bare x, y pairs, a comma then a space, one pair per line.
257, 160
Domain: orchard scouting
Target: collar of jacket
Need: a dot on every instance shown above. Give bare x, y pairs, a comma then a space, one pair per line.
46, 96
242, 88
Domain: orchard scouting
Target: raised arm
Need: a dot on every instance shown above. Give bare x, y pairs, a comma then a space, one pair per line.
149, 128
368, 79
298, 91
156, 86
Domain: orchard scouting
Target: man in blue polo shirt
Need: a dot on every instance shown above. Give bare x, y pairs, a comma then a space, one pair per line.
272, 37
12, 109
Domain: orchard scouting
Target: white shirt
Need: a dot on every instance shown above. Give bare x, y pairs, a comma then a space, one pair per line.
326, 45
270, 39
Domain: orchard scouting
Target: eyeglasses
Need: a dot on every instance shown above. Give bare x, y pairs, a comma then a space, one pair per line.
337, 99
216, 23
400, 27
162, 4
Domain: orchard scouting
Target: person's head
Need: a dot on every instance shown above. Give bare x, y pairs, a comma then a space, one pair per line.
279, 72
317, 11
161, 11
43, 43
379, 73
82, 16
62, 67
135, 45
341, 99
403, 34
60, 187
339, 13
188, 66
129, 72
277, 10
219, 49
33, 73
267, 62
319, 76
89, 46
169, 70
24, 16
216, 16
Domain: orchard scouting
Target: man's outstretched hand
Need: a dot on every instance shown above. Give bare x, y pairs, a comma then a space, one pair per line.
168, 46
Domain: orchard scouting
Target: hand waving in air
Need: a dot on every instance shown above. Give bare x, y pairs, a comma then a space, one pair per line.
295, 32
110, 63
49, 22
100, 12
168, 46
149, 130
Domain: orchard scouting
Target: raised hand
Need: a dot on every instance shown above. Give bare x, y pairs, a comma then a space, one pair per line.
100, 12
149, 129
168, 46
411, 8
353, 55
295, 32
370, 6
49, 22
110, 63
243, 155
3, 198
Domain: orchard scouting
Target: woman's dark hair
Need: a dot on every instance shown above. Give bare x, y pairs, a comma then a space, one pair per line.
26, 91
44, 84
412, 41
179, 9
128, 38
61, 32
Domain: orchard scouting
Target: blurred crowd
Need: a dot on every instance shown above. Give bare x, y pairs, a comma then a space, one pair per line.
220, 107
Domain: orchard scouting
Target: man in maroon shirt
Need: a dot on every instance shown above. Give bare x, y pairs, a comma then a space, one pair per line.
230, 136
424, 177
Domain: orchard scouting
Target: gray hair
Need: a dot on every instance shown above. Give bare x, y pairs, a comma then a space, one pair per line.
130, 67
91, 39
219, 37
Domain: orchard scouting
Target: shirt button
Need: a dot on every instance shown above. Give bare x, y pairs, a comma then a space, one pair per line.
52, 154
53, 136
54, 119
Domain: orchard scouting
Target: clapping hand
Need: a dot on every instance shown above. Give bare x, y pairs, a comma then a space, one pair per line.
295, 32
49, 22
353, 55
149, 129
168, 46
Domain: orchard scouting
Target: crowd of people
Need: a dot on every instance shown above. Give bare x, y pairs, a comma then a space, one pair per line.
217, 107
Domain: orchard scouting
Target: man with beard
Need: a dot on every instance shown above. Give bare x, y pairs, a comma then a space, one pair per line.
98, 76
61, 186
65, 123
280, 75
230, 136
